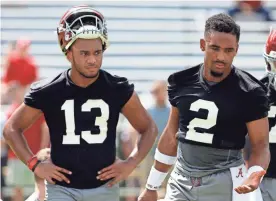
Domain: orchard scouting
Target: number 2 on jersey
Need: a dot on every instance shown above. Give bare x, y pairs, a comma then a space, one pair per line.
71, 137
272, 133
202, 123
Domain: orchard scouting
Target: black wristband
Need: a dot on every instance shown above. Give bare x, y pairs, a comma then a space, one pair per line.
39, 161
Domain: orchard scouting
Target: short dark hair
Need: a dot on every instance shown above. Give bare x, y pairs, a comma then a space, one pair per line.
222, 23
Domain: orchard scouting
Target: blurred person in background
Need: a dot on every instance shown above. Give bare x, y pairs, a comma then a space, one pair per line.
268, 184
124, 147
6, 97
250, 11
4, 157
4, 148
19, 68
5, 100
20, 71
7, 52
159, 111
37, 136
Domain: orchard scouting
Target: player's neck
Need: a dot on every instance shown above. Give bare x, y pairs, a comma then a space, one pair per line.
209, 77
80, 80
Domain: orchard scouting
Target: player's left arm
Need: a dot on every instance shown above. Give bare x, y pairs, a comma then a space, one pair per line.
45, 136
141, 121
145, 126
258, 132
259, 157
257, 124
246, 151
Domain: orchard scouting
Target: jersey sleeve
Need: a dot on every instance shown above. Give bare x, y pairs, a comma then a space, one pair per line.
34, 97
172, 90
257, 105
124, 90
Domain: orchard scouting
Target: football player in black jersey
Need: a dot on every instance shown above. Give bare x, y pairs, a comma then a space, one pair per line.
81, 108
213, 106
268, 184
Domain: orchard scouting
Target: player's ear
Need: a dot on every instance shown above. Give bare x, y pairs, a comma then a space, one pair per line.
202, 45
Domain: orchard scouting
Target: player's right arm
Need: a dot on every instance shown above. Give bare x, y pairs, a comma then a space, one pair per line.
45, 136
20, 120
165, 157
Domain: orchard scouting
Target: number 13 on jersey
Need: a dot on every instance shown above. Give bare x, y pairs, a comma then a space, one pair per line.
71, 137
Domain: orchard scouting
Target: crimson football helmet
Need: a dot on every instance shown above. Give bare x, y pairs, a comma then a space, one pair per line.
81, 22
270, 52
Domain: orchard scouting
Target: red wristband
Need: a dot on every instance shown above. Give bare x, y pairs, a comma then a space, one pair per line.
32, 162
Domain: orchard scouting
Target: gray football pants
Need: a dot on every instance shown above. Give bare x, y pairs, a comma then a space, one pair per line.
214, 187
268, 189
102, 193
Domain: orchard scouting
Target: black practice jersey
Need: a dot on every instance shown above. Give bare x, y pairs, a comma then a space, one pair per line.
216, 115
82, 123
271, 171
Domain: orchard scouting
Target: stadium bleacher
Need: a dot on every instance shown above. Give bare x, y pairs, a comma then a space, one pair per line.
148, 40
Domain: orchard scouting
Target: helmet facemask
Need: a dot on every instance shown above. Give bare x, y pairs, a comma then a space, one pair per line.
271, 61
270, 57
271, 67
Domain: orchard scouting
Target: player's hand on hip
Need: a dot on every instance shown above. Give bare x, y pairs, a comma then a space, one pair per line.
119, 171
251, 183
48, 171
148, 195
